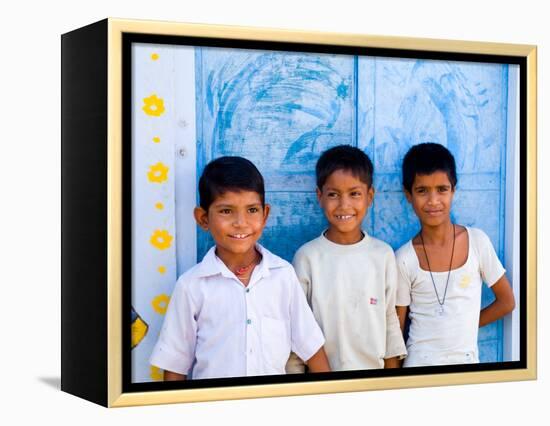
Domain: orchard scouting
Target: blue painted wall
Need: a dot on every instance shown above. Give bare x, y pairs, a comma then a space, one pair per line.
281, 110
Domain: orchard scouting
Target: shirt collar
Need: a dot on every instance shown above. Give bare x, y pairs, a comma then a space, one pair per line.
212, 265
343, 247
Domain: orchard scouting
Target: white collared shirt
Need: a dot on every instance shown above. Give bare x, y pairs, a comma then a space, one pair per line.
217, 327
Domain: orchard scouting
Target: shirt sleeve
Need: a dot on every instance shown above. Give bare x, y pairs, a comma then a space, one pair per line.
395, 345
295, 365
489, 264
175, 348
306, 335
303, 272
403, 291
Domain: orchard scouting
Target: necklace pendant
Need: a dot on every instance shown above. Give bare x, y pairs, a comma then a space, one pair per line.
440, 311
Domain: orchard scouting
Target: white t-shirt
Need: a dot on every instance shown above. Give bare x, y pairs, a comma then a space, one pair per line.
450, 337
217, 327
351, 290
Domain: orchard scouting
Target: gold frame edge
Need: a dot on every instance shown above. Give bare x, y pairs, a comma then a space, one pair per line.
114, 213
116, 27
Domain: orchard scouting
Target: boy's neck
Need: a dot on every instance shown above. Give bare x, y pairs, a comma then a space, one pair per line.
234, 261
438, 235
347, 238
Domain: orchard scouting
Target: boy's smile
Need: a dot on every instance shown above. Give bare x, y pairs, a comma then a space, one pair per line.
431, 198
345, 200
236, 221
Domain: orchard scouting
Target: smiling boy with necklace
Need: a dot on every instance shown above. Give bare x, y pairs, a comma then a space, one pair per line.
240, 311
350, 277
442, 268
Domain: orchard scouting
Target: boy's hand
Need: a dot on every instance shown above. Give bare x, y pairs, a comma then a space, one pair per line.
392, 362
318, 363
170, 376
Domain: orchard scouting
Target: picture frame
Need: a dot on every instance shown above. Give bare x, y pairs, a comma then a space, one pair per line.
101, 86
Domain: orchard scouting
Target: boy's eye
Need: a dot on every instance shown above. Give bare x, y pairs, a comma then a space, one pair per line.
356, 194
225, 211
332, 195
443, 189
253, 210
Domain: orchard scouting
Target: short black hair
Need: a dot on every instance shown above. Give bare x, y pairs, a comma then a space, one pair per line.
344, 157
229, 174
425, 159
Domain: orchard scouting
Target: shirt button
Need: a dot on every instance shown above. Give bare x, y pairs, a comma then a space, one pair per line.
248, 290
249, 321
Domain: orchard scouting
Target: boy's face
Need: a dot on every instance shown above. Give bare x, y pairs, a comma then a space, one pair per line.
345, 200
431, 197
235, 220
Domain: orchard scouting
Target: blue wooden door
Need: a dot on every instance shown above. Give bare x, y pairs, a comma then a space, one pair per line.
281, 110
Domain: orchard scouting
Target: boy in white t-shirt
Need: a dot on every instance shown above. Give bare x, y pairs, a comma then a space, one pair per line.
442, 268
241, 311
350, 277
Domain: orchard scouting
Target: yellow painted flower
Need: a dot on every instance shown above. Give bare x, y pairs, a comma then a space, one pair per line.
160, 303
159, 206
158, 173
156, 373
156, 139
161, 239
161, 269
154, 56
153, 105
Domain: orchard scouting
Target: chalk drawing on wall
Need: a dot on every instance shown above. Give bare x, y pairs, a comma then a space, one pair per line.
456, 104
279, 109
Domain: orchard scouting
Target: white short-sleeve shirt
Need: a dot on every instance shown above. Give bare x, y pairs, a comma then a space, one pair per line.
449, 337
351, 290
217, 327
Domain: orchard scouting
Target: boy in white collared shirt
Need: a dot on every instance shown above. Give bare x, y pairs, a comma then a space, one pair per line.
240, 311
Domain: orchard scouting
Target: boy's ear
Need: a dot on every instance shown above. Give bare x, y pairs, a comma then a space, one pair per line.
371, 191
201, 217
319, 193
407, 194
267, 209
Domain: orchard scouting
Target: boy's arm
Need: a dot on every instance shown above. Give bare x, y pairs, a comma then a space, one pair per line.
295, 365
395, 345
318, 363
170, 376
492, 271
402, 312
504, 302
